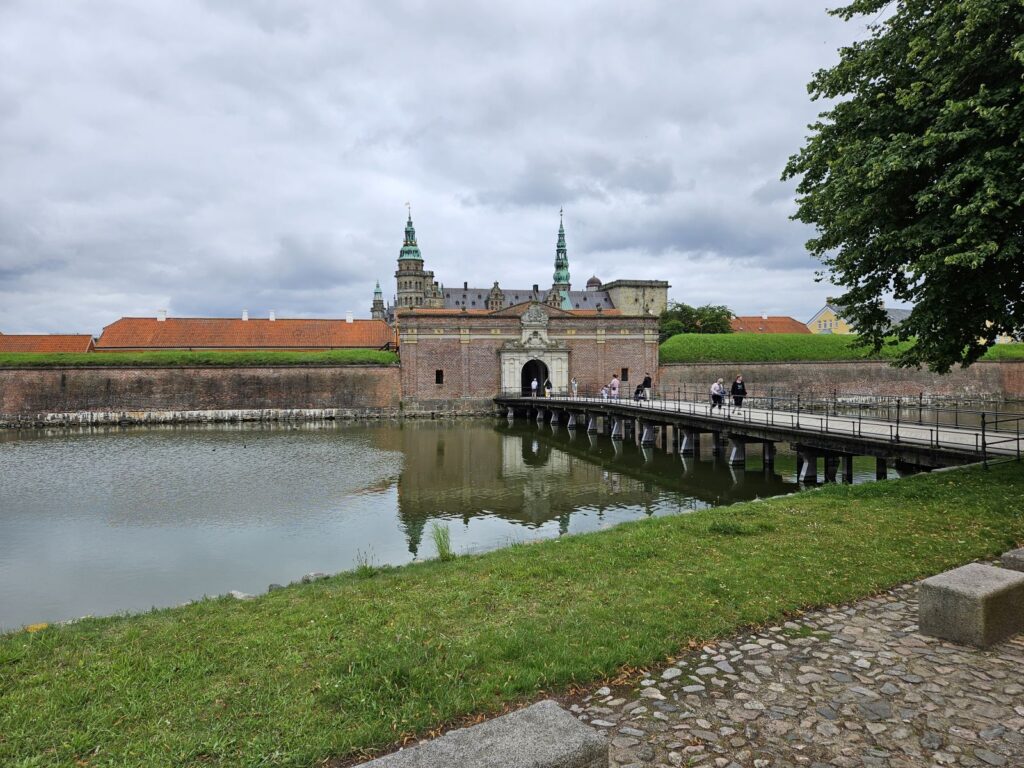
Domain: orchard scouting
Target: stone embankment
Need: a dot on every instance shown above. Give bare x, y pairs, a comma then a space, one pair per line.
844, 687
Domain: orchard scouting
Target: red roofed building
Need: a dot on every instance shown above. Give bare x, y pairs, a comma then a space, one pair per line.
766, 324
203, 333
46, 343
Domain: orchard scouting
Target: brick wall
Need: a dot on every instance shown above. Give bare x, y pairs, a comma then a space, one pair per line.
60, 390
466, 348
982, 380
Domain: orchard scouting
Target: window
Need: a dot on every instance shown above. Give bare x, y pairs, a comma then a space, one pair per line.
439, 376
625, 375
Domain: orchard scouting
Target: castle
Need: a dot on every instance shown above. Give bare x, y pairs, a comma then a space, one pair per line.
469, 343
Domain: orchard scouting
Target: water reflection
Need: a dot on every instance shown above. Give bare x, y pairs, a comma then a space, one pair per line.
105, 520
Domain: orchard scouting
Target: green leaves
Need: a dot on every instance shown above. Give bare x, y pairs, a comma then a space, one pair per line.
914, 179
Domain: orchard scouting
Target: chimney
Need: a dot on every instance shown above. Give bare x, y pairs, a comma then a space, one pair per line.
245, 314
536, 288
161, 315
273, 316
348, 317
465, 286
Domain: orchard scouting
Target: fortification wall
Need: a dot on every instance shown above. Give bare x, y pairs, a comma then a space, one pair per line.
106, 394
990, 380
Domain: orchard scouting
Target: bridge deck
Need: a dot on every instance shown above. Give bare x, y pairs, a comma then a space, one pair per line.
964, 440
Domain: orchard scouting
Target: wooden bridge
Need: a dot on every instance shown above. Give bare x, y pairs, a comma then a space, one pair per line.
921, 439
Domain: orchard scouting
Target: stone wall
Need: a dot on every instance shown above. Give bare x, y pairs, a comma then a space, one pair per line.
27, 394
989, 380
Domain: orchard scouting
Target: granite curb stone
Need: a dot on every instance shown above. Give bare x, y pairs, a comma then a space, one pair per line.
541, 736
975, 604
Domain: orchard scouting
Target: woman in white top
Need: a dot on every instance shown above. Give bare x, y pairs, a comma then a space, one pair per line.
717, 395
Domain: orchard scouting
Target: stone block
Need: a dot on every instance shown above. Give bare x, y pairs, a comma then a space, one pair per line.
976, 605
1014, 560
541, 736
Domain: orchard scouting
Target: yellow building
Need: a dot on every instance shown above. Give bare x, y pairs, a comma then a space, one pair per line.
829, 319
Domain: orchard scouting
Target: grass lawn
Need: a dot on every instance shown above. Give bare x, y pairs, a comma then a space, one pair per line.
177, 357
752, 347
354, 663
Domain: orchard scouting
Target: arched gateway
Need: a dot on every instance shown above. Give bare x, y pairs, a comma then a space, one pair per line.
534, 353
534, 369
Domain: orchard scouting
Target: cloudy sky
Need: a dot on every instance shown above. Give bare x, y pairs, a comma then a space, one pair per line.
213, 156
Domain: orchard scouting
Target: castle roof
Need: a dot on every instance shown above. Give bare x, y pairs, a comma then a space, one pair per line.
773, 324
472, 298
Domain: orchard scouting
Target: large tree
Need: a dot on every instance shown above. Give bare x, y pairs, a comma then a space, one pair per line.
682, 318
914, 178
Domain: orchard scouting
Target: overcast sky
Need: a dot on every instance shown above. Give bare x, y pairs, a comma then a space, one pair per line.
209, 157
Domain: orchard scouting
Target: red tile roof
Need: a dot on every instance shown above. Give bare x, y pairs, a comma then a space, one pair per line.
46, 342
775, 324
232, 333
515, 310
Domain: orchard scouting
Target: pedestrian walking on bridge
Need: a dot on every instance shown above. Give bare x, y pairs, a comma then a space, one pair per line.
739, 391
717, 395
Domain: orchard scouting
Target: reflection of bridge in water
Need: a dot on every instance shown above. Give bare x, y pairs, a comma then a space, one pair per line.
677, 426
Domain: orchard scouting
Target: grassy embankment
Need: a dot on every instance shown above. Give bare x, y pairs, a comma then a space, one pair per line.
356, 662
785, 347
182, 358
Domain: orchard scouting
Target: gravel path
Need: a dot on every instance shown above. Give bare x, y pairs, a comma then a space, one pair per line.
844, 687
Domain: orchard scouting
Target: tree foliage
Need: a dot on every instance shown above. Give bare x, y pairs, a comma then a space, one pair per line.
914, 179
682, 318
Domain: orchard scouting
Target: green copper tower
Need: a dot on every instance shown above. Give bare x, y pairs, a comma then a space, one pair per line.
409, 248
561, 278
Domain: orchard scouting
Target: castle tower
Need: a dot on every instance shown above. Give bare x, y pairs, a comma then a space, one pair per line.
561, 277
412, 281
377, 308
496, 298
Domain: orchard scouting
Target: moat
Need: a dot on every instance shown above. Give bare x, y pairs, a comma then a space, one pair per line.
101, 521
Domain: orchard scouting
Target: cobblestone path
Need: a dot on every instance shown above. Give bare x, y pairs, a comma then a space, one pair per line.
852, 686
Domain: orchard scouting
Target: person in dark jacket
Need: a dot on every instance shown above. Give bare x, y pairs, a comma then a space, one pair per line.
739, 391
647, 386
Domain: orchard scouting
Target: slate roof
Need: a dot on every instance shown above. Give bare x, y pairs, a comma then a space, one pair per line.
234, 333
771, 324
46, 342
476, 298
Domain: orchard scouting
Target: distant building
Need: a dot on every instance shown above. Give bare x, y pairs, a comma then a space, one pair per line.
138, 334
417, 288
767, 324
469, 343
829, 319
48, 343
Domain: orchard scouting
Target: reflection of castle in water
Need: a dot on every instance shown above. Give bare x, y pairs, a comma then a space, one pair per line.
458, 470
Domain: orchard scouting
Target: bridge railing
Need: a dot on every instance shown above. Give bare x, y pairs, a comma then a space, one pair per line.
983, 432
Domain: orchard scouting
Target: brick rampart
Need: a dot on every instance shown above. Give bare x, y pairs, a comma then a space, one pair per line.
988, 380
27, 393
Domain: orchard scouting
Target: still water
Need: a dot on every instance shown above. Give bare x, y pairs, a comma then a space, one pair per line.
102, 521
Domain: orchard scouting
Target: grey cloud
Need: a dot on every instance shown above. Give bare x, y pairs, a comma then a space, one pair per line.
211, 156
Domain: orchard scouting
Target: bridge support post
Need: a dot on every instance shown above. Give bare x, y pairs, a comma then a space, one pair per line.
591, 423
511, 413
689, 443
540, 415
716, 443
737, 452
571, 421
554, 417
848, 469
807, 465
768, 451
668, 437
881, 469
831, 467
618, 428
647, 433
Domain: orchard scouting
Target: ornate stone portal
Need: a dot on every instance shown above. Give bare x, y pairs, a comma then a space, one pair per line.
534, 344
